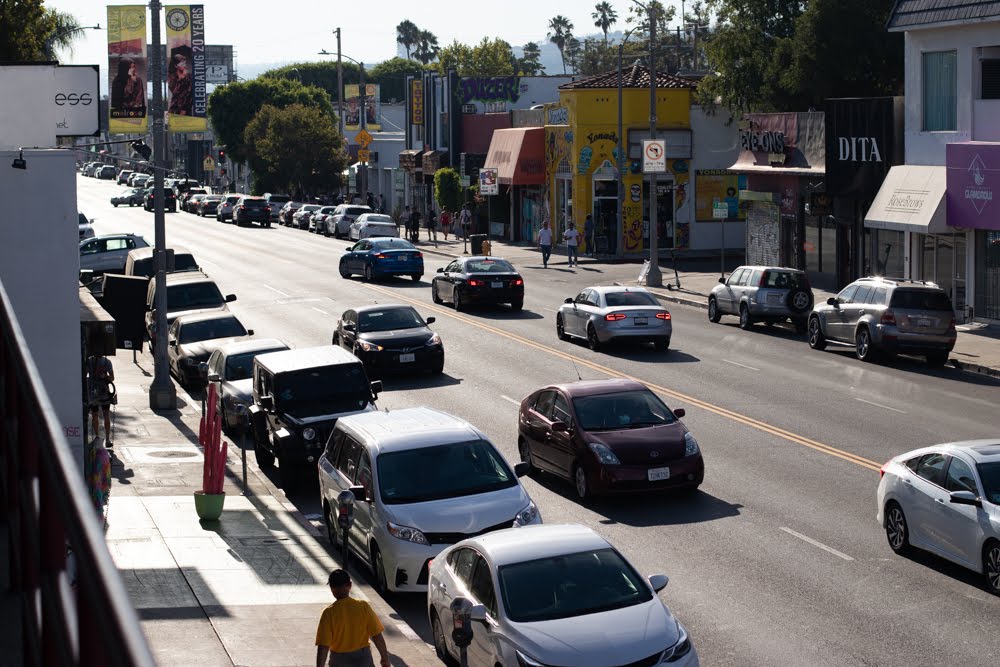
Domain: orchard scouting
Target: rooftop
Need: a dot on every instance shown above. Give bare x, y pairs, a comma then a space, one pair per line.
635, 76
907, 14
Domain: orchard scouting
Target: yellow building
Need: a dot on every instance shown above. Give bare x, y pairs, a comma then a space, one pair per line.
581, 149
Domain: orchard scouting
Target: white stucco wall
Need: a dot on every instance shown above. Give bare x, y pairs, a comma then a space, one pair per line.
715, 145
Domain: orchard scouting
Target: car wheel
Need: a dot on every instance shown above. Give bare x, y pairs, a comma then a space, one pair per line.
745, 322
817, 340
114, 204
863, 348
937, 359
458, 302
416, 277
267, 224
435, 297
662, 345
799, 300
369, 273
516, 305
525, 451
592, 340
713, 311
991, 566
265, 459
344, 273
290, 476
381, 583
581, 483
326, 231
896, 530
440, 642
560, 328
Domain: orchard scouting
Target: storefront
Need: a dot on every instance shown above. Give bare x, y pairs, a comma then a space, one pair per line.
518, 155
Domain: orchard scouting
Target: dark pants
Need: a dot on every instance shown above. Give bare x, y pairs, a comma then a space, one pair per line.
360, 658
546, 253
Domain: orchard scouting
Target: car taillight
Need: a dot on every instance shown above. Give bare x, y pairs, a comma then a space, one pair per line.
475, 283
517, 282
888, 317
663, 316
420, 255
881, 471
614, 317
763, 279
267, 208
380, 256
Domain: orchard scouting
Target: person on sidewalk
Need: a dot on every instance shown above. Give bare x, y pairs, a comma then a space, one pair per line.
588, 235
415, 225
100, 379
405, 220
466, 221
432, 234
545, 243
572, 238
445, 223
346, 627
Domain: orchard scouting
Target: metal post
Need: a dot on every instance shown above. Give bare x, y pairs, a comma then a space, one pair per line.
162, 395
363, 167
620, 217
340, 87
653, 278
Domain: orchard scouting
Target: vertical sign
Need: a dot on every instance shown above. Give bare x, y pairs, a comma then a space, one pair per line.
186, 72
352, 103
488, 184
127, 69
417, 102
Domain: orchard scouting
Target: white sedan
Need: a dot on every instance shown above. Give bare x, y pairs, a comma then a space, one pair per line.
601, 315
368, 225
946, 499
552, 595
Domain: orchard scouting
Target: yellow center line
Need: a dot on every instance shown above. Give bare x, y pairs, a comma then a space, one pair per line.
715, 409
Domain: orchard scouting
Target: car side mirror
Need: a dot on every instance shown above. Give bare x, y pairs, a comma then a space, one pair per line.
172, 342
658, 581
249, 332
832, 301
568, 299
722, 280
560, 427
965, 498
230, 298
679, 413
214, 377
431, 320
478, 613
440, 269
348, 326
376, 386
360, 493
267, 403
521, 469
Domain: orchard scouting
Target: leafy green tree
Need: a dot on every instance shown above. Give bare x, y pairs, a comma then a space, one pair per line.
529, 64
573, 50
233, 106
65, 31
604, 17
391, 76
407, 35
664, 16
447, 189
596, 57
427, 47
560, 30
322, 74
488, 58
24, 27
455, 55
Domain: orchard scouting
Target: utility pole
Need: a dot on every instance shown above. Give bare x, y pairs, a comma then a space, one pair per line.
654, 278
340, 86
363, 168
162, 395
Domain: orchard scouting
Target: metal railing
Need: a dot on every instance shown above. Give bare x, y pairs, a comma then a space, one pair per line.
66, 596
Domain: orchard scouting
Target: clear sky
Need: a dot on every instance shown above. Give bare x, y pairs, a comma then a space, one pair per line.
295, 30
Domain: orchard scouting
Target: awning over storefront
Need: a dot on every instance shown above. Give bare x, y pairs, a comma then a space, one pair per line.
518, 155
911, 199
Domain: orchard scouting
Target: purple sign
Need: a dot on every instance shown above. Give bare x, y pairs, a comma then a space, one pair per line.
973, 178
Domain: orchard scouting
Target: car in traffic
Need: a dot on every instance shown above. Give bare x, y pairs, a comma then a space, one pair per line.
317, 223
343, 217
274, 203
476, 280
608, 436
109, 252
300, 218
424, 479
252, 209
379, 257
123, 176
368, 225
138, 179
169, 200
226, 206
190, 203
883, 317
107, 173
390, 338
140, 262
90, 168
86, 229
191, 339
230, 369
553, 595
945, 499
606, 314
187, 292
131, 197
298, 396
287, 211
769, 294
208, 205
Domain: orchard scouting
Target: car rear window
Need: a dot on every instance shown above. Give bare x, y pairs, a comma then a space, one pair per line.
357, 210
255, 203
784, 279
616, 299
920, 299
489, 266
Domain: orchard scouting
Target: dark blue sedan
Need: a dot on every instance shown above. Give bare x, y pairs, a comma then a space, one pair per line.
377, 257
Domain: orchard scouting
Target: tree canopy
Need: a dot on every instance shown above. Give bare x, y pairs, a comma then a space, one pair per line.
447, 189
488, 58
391, 75
560, 30
529, 64
407, 35
604, 17
31, 32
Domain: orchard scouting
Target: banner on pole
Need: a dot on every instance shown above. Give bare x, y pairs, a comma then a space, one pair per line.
187, 99
127, 71
352, 107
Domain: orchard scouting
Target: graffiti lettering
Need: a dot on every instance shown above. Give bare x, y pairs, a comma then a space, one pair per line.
489, 89
559, 116
602, 136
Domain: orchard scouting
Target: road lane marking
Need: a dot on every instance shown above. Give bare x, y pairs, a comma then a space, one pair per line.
277, 291
816, 543
510, 400
318, 310
879, 405
610, 372
735, 363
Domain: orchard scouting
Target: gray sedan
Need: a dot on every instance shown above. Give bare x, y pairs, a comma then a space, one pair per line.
230, 368
600, 315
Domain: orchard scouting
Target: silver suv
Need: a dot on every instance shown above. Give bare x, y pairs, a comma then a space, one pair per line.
768, 294
884, 316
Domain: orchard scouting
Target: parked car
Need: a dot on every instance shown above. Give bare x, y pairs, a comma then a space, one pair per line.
301, 217
317, 223
123, 176
601, 315
226, 207
769, 294
608, 436
138, 179
424, 479
108, 253
298, 396
191, 339
169, 201
390, 338
478, 279
252, 209
553, 595
343, 217
90, 169
275, 202
190, 204
106, 172
86, 229
209, 205
132, 197
886, 317
287, 211
230, 369
379, 257
945, 499
369, 225
139, 262
182, 186
187, 292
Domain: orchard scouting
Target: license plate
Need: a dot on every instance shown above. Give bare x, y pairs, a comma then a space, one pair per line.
774, 298
404, 358
496, 285
640, 321
658, 474
923, 322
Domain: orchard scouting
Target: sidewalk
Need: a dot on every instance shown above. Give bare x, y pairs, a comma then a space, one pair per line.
977, 349
245, 590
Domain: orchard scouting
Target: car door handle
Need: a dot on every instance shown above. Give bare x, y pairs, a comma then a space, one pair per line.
939, 500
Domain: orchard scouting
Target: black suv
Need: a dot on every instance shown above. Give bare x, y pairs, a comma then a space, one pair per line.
298, 395
252, 209
169, 200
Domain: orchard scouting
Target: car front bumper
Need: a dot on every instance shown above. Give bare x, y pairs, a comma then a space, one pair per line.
386, 361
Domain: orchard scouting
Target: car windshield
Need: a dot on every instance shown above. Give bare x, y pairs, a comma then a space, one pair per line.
223, 327
616, 299
240, 366
570, 585
920, 299
335, 388
489, 266
388, 320
444, 471
193, 295
989, 474
392, 244
621, 410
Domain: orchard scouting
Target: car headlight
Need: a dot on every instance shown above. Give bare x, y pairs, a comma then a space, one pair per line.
525, 661
434, 340
678, 650
406, 533
308, 433
527, 515
690, 445
604, 454
369, 347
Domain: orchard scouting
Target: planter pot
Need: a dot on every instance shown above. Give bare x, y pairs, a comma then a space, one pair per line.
209, 506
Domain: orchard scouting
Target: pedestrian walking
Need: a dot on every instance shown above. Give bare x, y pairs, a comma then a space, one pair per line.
572, 238
100, 393
588, 235
466, 221
346, 627
405, 220
432, 225
446, 223
545, 243
415, 225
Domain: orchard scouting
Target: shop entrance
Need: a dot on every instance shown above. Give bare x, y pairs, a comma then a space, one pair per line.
605, 207
564, 201
664, 214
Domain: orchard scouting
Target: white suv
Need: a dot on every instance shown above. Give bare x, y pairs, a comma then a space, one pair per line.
427, 480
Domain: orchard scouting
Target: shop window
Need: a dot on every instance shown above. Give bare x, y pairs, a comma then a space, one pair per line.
940, 91
990, 79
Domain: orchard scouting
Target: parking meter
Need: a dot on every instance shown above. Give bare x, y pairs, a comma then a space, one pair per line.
461, 617
345, 510
241, 411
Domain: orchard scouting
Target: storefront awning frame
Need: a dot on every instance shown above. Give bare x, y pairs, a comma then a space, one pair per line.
911, 199
511, 151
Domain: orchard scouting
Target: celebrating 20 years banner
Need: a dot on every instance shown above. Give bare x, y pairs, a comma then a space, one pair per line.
187, 99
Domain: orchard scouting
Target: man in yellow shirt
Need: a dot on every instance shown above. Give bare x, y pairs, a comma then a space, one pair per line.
346, 627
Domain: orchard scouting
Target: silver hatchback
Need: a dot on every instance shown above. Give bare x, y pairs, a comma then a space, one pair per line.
768, 294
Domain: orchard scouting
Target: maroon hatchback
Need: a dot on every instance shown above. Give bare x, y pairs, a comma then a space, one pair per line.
608, 436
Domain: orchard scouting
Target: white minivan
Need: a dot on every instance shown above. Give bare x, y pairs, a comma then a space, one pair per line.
429, 480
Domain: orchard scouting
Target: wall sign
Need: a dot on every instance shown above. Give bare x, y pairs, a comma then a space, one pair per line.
973, 177
863, 140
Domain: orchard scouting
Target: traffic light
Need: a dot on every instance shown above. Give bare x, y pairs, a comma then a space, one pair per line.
140, 148
222, 155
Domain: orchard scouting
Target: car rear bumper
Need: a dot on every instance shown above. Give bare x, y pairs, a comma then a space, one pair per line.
636, 334
684, 473
489, 295
893, 340
398, 268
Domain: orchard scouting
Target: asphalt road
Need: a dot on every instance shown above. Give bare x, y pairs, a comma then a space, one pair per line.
778, 560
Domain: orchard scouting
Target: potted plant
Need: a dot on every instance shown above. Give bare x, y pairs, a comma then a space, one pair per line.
209, 501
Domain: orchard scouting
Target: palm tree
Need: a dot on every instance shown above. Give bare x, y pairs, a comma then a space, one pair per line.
65, 30
530, 62
604, 17
560, 30
407, 34
427, 47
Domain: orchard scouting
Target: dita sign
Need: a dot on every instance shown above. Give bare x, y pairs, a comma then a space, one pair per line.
863, 139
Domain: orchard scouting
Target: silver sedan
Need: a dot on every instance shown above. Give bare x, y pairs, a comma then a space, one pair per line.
601, 315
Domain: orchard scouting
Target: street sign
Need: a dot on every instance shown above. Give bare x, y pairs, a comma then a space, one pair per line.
464, 181
363, 138
720, 210
654, 156
363, 155
208, 164
488, 184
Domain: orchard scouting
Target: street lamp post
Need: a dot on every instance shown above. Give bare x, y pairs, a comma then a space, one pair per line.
363, 170
653, 277
622, 158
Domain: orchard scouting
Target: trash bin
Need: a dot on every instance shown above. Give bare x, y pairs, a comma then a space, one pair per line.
477, 241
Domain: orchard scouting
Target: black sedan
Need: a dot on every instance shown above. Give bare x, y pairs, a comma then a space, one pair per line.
388, 338
480, 279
